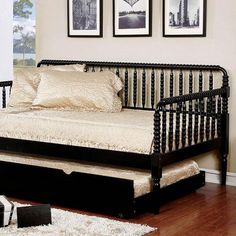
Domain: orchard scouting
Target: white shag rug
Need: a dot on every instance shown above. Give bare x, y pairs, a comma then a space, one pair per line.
65, 223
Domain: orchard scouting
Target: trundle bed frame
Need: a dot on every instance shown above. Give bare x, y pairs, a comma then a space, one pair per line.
198, 122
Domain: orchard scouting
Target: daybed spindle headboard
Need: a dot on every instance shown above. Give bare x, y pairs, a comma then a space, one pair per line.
145, 84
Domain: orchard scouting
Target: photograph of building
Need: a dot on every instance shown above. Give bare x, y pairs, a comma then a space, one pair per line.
84, 14
184, 13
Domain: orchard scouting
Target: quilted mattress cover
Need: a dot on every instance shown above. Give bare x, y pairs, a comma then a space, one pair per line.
129, 130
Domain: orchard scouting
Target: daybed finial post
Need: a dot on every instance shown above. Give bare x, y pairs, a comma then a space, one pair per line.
225, 129
156, 164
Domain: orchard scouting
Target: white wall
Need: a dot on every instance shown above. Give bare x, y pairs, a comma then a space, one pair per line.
218, 47
6, 41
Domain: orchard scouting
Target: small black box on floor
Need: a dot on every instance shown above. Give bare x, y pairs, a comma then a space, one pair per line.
6, 211
33, 216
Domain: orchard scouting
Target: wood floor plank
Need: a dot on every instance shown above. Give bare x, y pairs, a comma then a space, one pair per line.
210, 211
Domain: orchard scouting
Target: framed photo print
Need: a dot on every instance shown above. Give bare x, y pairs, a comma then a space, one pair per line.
132, 18
184, 18
84, 18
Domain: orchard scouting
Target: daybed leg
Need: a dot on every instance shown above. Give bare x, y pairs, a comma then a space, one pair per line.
156, 197
225, 147
223, 168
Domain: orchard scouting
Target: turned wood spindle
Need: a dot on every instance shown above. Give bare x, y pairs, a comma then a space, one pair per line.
162, 84
202, 119
156, 142
200, 82
196, 120
191, 82
184, 125
211, 81
208, 119
135, 88
181, 82
190, 107
153, 88
126, 87
171, 113
190, 123
163, 130
219, 112
171, 83
213, 115
177, 126
143, 88
171, 127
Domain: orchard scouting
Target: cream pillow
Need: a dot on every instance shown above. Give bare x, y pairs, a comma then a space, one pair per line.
26, 82
72, 67
91, 91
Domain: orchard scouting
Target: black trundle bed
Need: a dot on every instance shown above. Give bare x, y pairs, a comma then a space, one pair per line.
190, 118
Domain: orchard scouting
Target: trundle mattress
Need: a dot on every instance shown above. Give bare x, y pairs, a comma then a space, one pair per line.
141, 178
129, 130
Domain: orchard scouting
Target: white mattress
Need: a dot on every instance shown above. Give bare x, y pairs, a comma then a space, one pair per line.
129, 130
141, 178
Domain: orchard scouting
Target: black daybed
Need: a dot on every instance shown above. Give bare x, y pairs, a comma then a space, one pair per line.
190, 107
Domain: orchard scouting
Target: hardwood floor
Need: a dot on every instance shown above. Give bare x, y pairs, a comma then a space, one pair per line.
210, 211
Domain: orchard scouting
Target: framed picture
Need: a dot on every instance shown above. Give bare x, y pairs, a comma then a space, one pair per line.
132, 18
184, 18
84, 18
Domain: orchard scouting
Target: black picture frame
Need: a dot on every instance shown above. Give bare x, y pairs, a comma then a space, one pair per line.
194, 27
132, 32
85, 31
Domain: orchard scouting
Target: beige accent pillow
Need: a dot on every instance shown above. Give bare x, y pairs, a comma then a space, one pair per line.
72, 67
26, 82
91, 91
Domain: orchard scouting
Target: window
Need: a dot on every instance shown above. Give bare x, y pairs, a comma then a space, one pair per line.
23, 33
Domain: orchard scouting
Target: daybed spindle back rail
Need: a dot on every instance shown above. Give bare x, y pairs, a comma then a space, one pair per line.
191, 112
146, 84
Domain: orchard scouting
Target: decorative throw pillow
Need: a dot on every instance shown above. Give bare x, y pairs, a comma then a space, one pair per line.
26, 82
72, 67
91, 91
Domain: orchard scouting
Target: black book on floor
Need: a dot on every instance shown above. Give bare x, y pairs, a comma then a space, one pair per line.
33, 216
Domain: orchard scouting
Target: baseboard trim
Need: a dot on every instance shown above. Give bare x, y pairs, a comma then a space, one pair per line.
213, 176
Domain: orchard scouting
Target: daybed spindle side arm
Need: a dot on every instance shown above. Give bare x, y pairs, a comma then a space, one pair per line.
4, 85
221, 117
181, 103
